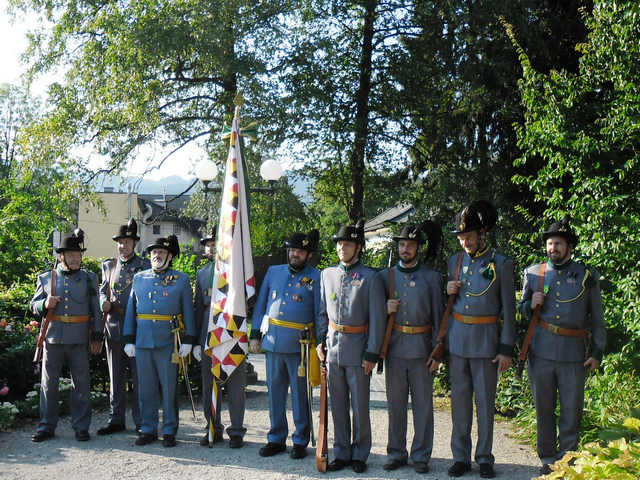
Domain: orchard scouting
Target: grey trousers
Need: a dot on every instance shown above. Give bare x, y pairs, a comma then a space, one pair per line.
345, 382
236, 397
77, 356
548, 379
404, 377
469, 376
118, 362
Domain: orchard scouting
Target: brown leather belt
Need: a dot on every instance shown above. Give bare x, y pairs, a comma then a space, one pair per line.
567, 332
412, 330
121, 311
70, 318
475, 320
347, 328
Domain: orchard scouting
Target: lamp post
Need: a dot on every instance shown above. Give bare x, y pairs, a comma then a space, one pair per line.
270, 170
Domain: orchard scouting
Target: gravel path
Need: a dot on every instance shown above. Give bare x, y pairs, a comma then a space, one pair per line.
116, 456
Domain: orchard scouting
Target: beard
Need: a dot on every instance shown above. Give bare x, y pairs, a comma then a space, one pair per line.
158, 264
295, 263
407, 259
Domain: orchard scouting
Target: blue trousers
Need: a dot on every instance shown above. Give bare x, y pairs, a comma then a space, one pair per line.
155, 368
282, 372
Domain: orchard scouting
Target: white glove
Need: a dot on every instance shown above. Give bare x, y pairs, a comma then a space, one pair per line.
185, 349
197, 353
130, 350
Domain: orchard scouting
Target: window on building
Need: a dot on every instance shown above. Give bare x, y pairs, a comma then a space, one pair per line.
156, 229
176, 230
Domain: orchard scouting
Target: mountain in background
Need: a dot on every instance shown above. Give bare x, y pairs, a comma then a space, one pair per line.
174, 185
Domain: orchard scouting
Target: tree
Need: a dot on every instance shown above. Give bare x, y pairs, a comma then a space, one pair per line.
34, 198
150, 72
584, 127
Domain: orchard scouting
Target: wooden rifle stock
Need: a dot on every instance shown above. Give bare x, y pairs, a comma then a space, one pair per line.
524, 352
47, 320
438, 351
390, 322
322, 450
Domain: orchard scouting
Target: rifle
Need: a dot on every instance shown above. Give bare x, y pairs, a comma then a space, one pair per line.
524, 352
392, 316
438, 351
44, 327
322, 451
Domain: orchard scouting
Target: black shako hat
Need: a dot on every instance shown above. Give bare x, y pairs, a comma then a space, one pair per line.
130, 230
73, 242
561, 229
170, 244
304, 241
210, 238
433, 232
478, 214
351, 233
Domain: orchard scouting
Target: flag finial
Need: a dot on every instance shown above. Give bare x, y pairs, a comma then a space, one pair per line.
238, 101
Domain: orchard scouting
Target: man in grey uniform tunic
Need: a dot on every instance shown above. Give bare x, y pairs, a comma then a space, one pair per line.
418, 302
236, 383
558, 356
479, 350
76, 316
117, 277
342, 328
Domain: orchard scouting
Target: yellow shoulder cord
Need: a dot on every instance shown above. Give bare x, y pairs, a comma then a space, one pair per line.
495, 276
581, 291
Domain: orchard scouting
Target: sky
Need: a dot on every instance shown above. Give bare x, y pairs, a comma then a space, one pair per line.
13, 43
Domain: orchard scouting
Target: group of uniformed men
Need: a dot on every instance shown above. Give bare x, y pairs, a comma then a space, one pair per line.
358, 317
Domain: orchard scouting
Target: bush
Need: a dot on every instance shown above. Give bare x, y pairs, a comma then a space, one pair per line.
618, 460
17, 346
8, 412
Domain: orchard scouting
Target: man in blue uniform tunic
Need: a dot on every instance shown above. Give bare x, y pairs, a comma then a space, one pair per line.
76, 313
343, 326
236, 383
161, 302
570, 306
289, 301
479, 349
117, 278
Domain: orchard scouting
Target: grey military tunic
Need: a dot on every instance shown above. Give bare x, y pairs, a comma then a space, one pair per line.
78, 292
344, 300
572, 301
488, 289
236, 383
117, 278
420, 291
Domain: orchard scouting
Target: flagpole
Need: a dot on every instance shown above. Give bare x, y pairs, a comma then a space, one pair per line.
234, 280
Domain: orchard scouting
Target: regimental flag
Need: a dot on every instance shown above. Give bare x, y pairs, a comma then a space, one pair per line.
233, 281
